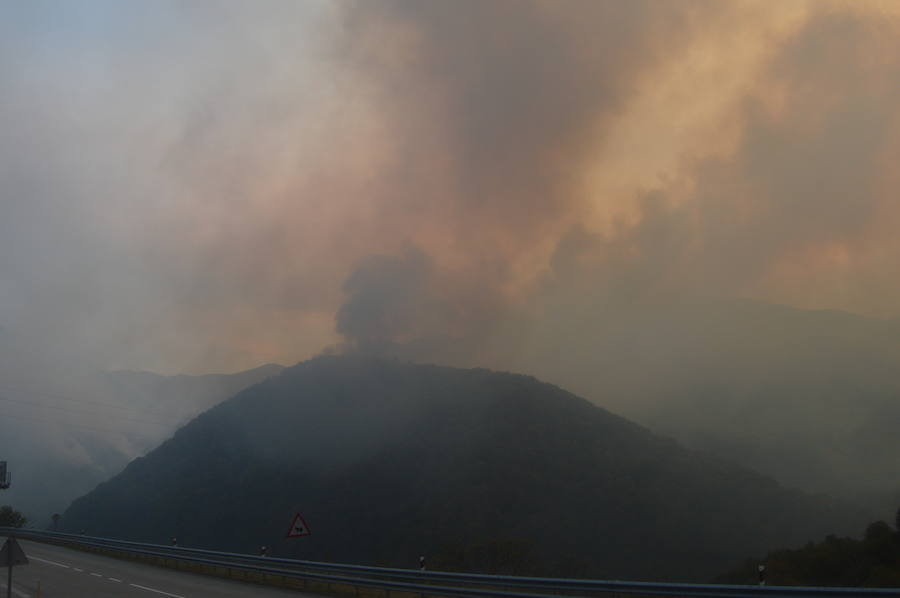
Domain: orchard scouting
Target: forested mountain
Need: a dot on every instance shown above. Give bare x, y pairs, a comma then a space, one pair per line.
64, 432
475, 469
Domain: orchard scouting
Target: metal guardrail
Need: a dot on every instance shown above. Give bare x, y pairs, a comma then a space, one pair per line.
438, 583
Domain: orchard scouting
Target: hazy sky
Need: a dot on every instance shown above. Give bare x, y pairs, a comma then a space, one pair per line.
206, 186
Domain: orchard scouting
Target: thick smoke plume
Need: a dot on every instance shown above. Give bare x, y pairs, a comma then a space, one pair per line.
211, 202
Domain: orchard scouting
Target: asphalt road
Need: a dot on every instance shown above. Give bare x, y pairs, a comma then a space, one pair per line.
56, 572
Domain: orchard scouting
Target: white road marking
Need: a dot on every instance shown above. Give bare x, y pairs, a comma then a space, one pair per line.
24, 595
157, 591
46, 561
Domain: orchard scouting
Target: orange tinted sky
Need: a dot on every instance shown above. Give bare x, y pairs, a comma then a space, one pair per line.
189, 189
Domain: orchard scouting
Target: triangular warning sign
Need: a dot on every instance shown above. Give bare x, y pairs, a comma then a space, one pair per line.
12, 554
298, 528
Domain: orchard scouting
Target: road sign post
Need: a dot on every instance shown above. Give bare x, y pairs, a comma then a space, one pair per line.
12, 555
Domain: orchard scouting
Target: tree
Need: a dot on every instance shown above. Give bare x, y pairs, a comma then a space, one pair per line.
9, 517
879, 543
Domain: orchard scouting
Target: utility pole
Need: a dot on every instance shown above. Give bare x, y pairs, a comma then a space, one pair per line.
5, 476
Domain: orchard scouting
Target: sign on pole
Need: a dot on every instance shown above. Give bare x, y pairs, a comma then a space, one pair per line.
12, 555
298, 528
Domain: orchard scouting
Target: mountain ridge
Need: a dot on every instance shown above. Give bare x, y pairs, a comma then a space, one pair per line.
389, 460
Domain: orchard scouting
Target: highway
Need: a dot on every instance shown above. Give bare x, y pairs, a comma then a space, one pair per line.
56, 572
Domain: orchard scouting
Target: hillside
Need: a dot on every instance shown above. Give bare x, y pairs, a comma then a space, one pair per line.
64, 434
387, 461
811, 397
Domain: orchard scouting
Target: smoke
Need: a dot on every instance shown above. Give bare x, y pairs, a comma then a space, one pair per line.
796, 212
189, 189
496, 110
577, 190
388, 296
517, 113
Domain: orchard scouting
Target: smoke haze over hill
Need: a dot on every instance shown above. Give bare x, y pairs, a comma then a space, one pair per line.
394, 460
589, 191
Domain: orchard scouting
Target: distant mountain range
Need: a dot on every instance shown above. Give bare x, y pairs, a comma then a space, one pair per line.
64, 435
475, 469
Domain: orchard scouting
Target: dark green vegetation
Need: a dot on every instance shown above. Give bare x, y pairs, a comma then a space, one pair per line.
873, 561
9, 517
475, 469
